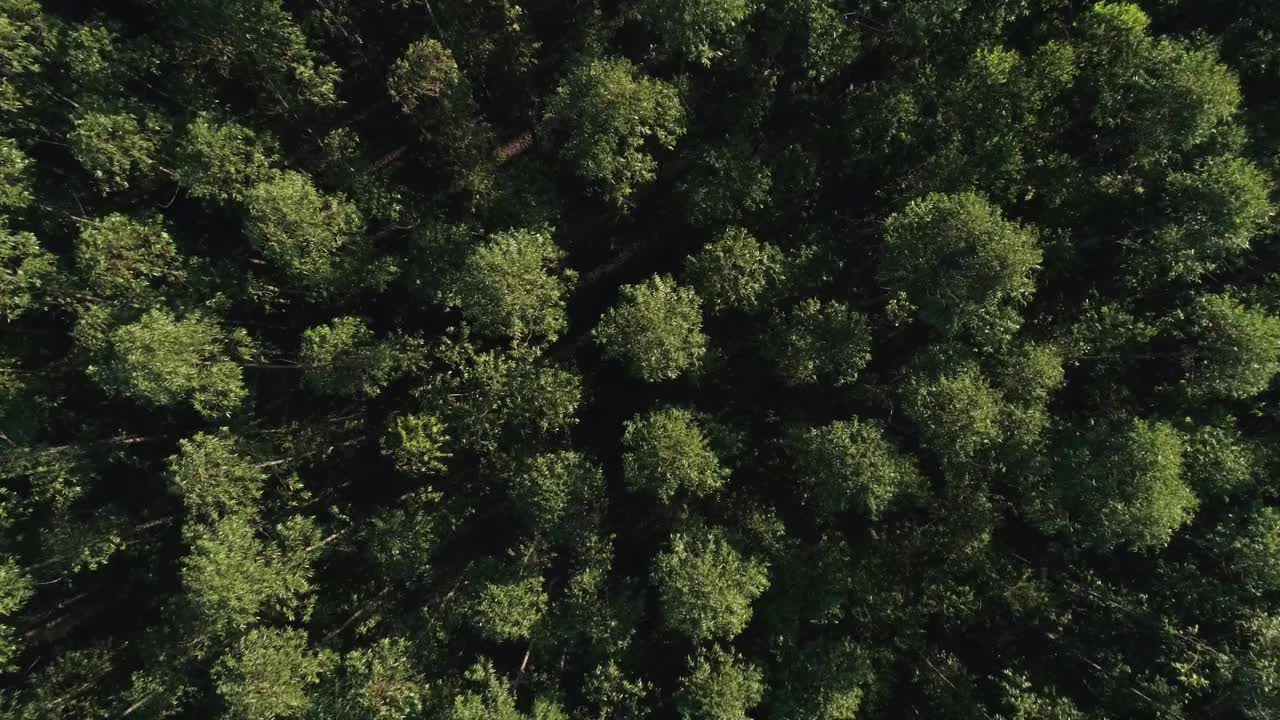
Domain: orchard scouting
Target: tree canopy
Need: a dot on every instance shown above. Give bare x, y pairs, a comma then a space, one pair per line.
699, 359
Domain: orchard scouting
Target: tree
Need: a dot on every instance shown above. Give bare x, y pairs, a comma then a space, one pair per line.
957, 411
426, 71
706, 586
492, 398
221, 160
1238, 352
270, 674
163, 360
15, 591
966, 268
1257, 667
215, 480
399, 542
728, 183
114, 147
344, 358
300, 229
1218, 210
850, 463
15, 176
428, 85
695, 29
558, 488
736, 271
416, 443
615, 694
829, 681
231, 577
259, 44
1027, 704
1252, 553
981, 419
121, 257
508, 606
1218, 461
488, 697
1123, 485
824, 39
25, 268
383, 682
23, 45
820, 342
656, 330
610, 111
1153, 98
719, 686
511, 286
668, 454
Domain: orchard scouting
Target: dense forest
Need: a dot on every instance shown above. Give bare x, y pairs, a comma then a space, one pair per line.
620, 359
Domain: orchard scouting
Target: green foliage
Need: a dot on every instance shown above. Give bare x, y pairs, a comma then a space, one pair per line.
1030, 372
1027, 704
656, 330
22, 50
850, 463
957, 412
15, 591
1153, 97
830, 682
616, 695
426, 70
558, 488
121, 258
728, 183
222, 160
821, 342
258, 42
1124, 485
163, 360
384, 683
695, 29
1238, 352
489, 397
231, 576
58, 690
488, 697
511, 286
1218, 461
269, 675
299, 228
416, 443
1257, 667
706, 586
399, 542
345, 358
1253, 553
736, 271
966, 268
668, 454
508, 607
611, 112
214, 479
114, 147
1221, 207
297, 365
25, 268
15, 176
719, 686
